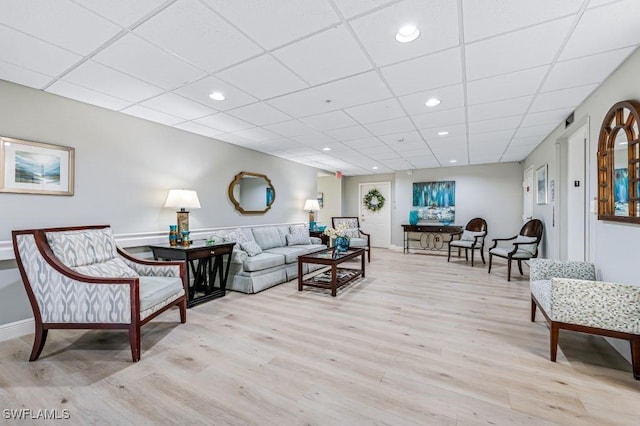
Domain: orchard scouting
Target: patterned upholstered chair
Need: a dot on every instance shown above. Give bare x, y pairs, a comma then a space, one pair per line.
357, 238
78, 278
523, 246
570, 299
471, 238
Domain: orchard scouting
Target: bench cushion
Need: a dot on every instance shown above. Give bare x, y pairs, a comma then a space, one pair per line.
262, 261
154, 290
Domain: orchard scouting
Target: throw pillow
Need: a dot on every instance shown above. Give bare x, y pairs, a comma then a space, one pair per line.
113, 268
471, 235
251, 247
352, 233
236, 236
530, 249
298, 234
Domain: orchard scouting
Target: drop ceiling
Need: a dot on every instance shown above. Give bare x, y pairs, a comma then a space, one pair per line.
324, 82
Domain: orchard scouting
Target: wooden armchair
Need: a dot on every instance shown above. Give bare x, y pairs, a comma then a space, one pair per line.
524, 246
471, 238
78, 278
357, 238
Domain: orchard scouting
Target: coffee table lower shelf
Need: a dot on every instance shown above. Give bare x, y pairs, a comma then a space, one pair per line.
323, 280
333, 277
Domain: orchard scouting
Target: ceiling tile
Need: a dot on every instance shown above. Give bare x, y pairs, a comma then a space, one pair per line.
259, 114
273, 26
602, 29
315, 139
178, 106
336, 147
16, 74
326, 56
350, 8
381, 153
329, 120
122, 12
364, 143
273, 79
200, 90
439, 118
501, 137
58, 23
224, 122
105, 80
428, 72
257, 134
88, 96
194, 32
403, 139
151, 115
139, 58
495, 124
456, 132
518, 50
513, 85
505, 108
290, 128
485, 18
399, 164
554, 116
425, 162
376, 111
587, 70
35, 55
450, 97
349, 133
566, 98
535, 131
199, 129
352, 91
437, 20
388, 127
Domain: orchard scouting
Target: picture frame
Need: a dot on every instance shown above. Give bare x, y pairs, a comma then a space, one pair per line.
541, 185
321, 199
28, 167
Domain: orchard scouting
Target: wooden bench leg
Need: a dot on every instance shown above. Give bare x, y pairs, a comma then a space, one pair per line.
555, 333
635, 356
533, 310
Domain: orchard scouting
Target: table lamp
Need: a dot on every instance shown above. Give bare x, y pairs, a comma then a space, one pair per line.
183, 199
312, 206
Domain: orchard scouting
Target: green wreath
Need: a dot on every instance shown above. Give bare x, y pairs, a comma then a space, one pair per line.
369, 202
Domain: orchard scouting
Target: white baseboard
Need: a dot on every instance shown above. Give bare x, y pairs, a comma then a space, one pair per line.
17, 329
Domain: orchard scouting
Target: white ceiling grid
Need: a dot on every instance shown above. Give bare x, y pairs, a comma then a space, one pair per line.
300, 76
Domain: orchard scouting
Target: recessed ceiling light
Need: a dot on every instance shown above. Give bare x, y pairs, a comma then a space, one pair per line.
375, 167
453, 161
326, 148
432, 102
407, 33
217, 96
443, 133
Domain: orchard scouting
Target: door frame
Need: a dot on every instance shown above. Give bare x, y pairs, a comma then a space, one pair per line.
529, 194
388, 203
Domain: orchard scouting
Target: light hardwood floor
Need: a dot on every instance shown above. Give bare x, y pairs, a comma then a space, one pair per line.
418, 341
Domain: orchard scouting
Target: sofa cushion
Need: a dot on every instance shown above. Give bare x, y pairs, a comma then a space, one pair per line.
462, 243
471, 235
299, 234
154, 290
83, 247
357, 242
236, 236
504, 252
262, 261
251, 247
267, 237
532, 249
352, 233
112, 268
541, 290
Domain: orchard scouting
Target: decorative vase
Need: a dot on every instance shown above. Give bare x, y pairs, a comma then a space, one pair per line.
341, 244
413, 217
185, 238
173, 235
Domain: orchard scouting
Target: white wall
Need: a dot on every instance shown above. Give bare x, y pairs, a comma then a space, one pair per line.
124, 169
612, 245
490, 191
331, 187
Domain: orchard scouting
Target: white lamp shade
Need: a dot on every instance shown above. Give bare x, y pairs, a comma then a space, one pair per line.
311, 205
182, 198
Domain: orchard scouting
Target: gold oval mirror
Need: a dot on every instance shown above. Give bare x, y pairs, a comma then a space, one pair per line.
252, 193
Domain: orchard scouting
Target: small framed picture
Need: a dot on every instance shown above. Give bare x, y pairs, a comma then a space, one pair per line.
321, 199
541, 185
28, 167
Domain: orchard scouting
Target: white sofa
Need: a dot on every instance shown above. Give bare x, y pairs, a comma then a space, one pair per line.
277, 259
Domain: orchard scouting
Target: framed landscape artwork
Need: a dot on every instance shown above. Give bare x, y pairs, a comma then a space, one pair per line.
28, 167
435, 201
541, 185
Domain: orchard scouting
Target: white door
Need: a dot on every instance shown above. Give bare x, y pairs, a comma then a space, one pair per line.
378, 223
576, 210
527, 188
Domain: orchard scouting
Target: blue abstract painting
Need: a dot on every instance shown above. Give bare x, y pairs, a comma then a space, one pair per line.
621, 192
435, 201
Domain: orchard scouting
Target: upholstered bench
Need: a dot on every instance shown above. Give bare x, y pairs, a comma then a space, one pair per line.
570, 298
78, 278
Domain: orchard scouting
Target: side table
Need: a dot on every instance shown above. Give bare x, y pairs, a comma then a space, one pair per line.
204, 263
321, 235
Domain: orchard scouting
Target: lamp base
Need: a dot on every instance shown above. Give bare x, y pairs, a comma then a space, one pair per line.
182, 218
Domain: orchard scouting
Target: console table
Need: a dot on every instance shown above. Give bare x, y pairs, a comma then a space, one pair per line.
431, 237
204, 263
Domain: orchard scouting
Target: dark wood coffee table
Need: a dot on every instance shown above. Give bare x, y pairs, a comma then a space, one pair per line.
334, 277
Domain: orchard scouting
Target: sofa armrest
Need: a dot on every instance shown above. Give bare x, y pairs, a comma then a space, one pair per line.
545, 269
316, 240
599, 304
